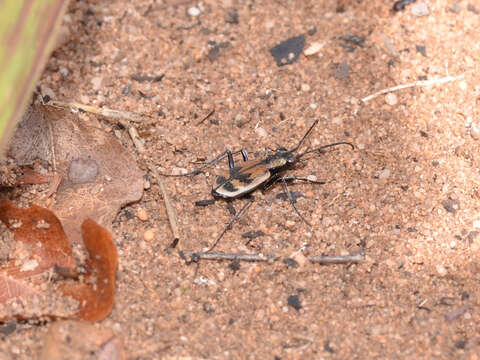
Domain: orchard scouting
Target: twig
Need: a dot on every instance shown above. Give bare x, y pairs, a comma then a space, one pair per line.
192, 256
107, 113
342, 259
122, 117
52, 146
210, 113
54, 184
413, 84
132, 131
171, 213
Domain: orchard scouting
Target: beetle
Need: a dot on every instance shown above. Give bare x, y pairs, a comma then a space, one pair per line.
244, 179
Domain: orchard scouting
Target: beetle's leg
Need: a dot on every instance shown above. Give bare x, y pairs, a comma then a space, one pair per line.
244, 155
295, 178
203, 203
231, 163
230, 224
290, 199
231, 209
273, 179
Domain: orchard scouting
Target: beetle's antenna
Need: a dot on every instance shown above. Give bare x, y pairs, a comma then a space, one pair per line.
324, 147
304, 137
206, 165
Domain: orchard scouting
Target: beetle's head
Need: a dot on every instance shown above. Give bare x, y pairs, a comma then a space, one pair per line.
281, 158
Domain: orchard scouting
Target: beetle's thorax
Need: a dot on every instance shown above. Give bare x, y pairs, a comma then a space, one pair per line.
279, 159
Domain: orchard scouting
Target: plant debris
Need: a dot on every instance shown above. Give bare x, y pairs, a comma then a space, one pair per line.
26, 290
288, 51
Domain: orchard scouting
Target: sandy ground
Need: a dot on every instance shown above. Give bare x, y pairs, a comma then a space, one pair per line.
407, 196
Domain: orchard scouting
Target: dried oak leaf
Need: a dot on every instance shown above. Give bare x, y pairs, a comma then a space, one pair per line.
41, 247
98, 175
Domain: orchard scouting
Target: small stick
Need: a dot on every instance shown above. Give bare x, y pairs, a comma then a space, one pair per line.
108, 113
171, 213
54, 184
122, 117
229, 226
210, 113
342, 259
226, 256
413, 84
52, 147
326, 260
132, 131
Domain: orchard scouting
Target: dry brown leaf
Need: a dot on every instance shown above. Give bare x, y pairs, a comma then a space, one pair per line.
98, 297
98, 175
40, 248
31, 177
79, 340
41, 242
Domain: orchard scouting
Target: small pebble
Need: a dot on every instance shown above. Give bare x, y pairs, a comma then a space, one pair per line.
453, 243
294, 301
462, 85
288, 51
311, 177
146, 185
441, 270
305, 87
476, 224
455, 8
384, 174
63, 71
46, 91
473, 9
291, 263
391, 99
96, 83
142, 214
239, 120
193, 11
301, 259
475, 130
422, 49
290, 224
451, 205
313, 49
149, 235
261, 132
342, 71
420, 9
